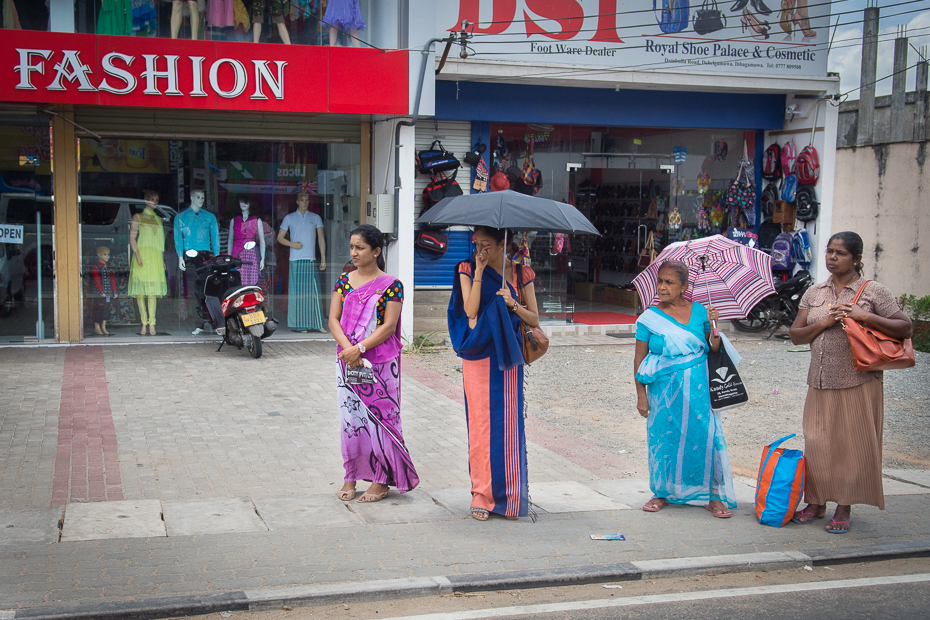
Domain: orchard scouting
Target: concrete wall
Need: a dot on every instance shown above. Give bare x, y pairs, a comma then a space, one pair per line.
848, 124
883, 193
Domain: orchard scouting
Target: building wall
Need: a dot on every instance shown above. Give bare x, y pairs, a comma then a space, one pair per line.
882, 193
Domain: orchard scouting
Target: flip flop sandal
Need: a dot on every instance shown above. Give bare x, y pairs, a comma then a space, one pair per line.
719, 513
370, 499
651, 507
480, 514
831, 530
804, 513
346, 496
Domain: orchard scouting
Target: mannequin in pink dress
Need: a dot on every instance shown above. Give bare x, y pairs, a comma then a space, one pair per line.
245, 228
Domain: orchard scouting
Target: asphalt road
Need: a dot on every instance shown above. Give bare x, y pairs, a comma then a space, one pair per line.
896, 590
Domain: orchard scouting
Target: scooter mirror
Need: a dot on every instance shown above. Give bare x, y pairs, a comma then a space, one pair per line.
191, 253
248, 245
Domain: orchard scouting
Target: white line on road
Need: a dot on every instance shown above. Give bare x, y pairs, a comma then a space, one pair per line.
521, 610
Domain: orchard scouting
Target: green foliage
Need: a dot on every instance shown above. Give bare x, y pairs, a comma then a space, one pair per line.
421, 343
919, 311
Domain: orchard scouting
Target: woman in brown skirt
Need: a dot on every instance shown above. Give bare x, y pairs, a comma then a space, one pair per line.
844, 410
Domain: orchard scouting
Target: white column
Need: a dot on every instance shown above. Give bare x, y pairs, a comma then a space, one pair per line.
61, 14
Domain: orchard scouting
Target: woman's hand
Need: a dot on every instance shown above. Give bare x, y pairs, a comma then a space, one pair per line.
481, 258
642, 405
851, 311
838, 312
508, 298
138, 259
351, 356
713, 315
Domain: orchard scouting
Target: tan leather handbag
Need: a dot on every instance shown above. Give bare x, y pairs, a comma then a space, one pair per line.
874, 350
535, 341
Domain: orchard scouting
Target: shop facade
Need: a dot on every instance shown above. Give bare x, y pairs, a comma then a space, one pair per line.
92, 121
642, 136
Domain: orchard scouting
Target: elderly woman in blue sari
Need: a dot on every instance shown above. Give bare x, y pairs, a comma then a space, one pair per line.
484, 321
688, 458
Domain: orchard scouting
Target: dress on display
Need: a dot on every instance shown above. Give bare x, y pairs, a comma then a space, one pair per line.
148, 279
144, 18
344, 14
242, 233
115, 18
220, 13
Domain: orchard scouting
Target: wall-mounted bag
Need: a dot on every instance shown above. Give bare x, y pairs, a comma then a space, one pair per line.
806, 205
674, 15
709, 18
767, 201
436, 159
807, 166
771, 162
875, 350
431, 244
473, 156
441, 186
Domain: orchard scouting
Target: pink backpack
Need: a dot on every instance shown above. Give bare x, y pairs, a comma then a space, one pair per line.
807, 166
787, 157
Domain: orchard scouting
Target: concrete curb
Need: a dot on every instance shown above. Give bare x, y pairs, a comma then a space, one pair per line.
274, 598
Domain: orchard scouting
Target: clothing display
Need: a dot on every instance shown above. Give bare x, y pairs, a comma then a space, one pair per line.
220, 13
149, 278
492, 371
115, 18
259, 8
304, 311
372, 439
344, 14
302, 228
196, 230
688, 457
144, 18
244, 231
105, 287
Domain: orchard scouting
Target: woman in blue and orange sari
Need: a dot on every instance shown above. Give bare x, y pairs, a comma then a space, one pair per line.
364, 318
688, 458
484, 321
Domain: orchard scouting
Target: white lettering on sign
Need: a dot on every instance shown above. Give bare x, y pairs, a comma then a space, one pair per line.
10, 233
118, 80
296, 171
241, 78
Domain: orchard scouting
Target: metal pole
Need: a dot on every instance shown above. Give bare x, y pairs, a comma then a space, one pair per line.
40, 324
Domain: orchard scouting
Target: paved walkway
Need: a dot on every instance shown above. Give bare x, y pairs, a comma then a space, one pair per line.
128, 472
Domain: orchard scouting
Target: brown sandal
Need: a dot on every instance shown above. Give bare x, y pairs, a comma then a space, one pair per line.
653, 505
368, 498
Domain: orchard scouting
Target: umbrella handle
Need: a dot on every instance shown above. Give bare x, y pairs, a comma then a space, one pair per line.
714, 332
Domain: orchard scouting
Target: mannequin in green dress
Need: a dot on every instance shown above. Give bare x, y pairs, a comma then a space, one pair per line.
147, 267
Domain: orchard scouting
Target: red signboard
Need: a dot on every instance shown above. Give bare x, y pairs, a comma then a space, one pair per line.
83, 69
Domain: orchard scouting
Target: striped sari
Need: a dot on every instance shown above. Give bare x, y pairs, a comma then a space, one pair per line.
688, 457
492, 371
304, 310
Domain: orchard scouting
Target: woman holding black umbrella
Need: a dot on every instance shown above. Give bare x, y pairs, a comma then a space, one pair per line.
484, 321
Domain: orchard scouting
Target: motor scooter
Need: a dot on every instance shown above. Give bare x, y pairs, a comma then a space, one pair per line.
237, 312
779, 309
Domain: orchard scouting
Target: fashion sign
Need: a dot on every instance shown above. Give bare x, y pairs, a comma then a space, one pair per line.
46, 67
637, 34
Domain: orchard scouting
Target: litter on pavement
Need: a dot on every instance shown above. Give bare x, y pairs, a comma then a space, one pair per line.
607, 537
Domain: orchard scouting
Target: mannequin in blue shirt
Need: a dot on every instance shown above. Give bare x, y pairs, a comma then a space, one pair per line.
196, 229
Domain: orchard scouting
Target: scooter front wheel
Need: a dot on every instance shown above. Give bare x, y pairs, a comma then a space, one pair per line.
254, 346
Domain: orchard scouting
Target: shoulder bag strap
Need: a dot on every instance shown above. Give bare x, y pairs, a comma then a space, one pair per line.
518, 278
859, 292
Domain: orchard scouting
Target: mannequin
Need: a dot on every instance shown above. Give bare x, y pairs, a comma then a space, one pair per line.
177, 14
277, 18
244, 228
345, 15
147, 266
304, 310
195, 228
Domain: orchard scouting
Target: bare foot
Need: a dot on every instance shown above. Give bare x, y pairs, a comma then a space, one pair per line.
809, 513
839, 524
152, 331
347, 492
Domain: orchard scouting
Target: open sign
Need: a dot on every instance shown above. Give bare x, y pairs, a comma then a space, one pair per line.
11, 233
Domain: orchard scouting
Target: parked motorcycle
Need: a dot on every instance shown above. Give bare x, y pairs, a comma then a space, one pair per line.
780, 309
237, 312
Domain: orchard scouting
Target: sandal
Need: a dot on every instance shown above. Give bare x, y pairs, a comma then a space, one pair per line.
805, 513
346, 496
480, 514
653, 505
367, 498
832, 530
718, 512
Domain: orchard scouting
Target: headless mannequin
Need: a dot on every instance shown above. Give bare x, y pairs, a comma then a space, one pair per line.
197, 198
260, 234
282, 32
177, 15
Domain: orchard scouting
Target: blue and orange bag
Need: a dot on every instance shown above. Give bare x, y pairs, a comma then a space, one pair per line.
780, 485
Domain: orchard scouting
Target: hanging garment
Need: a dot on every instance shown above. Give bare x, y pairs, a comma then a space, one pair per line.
115, 18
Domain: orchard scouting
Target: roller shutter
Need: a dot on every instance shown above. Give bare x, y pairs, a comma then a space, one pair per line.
200, 125
456, 137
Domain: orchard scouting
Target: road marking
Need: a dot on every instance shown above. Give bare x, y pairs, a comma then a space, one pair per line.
667, 598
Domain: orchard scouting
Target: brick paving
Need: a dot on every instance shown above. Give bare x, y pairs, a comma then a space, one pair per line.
193, 425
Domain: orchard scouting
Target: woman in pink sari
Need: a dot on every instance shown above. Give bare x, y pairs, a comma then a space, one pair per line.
364, 318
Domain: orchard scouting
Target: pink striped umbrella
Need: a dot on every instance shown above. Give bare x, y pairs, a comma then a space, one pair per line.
725, 274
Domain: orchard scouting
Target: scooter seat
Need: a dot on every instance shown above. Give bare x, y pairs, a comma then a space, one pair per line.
234, 290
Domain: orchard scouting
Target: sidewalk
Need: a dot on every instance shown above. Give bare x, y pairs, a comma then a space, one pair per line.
188, 480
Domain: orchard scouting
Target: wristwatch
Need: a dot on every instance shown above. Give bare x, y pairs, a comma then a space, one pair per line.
513, 308
361, 348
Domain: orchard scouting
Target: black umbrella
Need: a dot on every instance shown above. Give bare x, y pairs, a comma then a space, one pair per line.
508, 209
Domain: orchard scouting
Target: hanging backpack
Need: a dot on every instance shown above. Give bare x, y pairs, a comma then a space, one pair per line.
787, 157
440, 186
674, 16
806, 205
801, 249
782, 249
767, 201
771, 162
807, 166
789, 188
436, 159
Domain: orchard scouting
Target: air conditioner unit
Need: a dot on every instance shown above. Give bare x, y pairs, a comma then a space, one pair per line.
379, 212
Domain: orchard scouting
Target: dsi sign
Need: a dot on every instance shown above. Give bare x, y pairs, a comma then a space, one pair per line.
10, 233
627, 34
50, 67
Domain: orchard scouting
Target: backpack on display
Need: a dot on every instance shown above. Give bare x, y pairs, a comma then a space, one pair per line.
807, 166
806, 205
440, 186
436, 159
674, 16
782, 250
767, 201
789, 188
771, 162
801, 248
787, 157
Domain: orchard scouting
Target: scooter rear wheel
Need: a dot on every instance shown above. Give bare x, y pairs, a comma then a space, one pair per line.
254, 346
